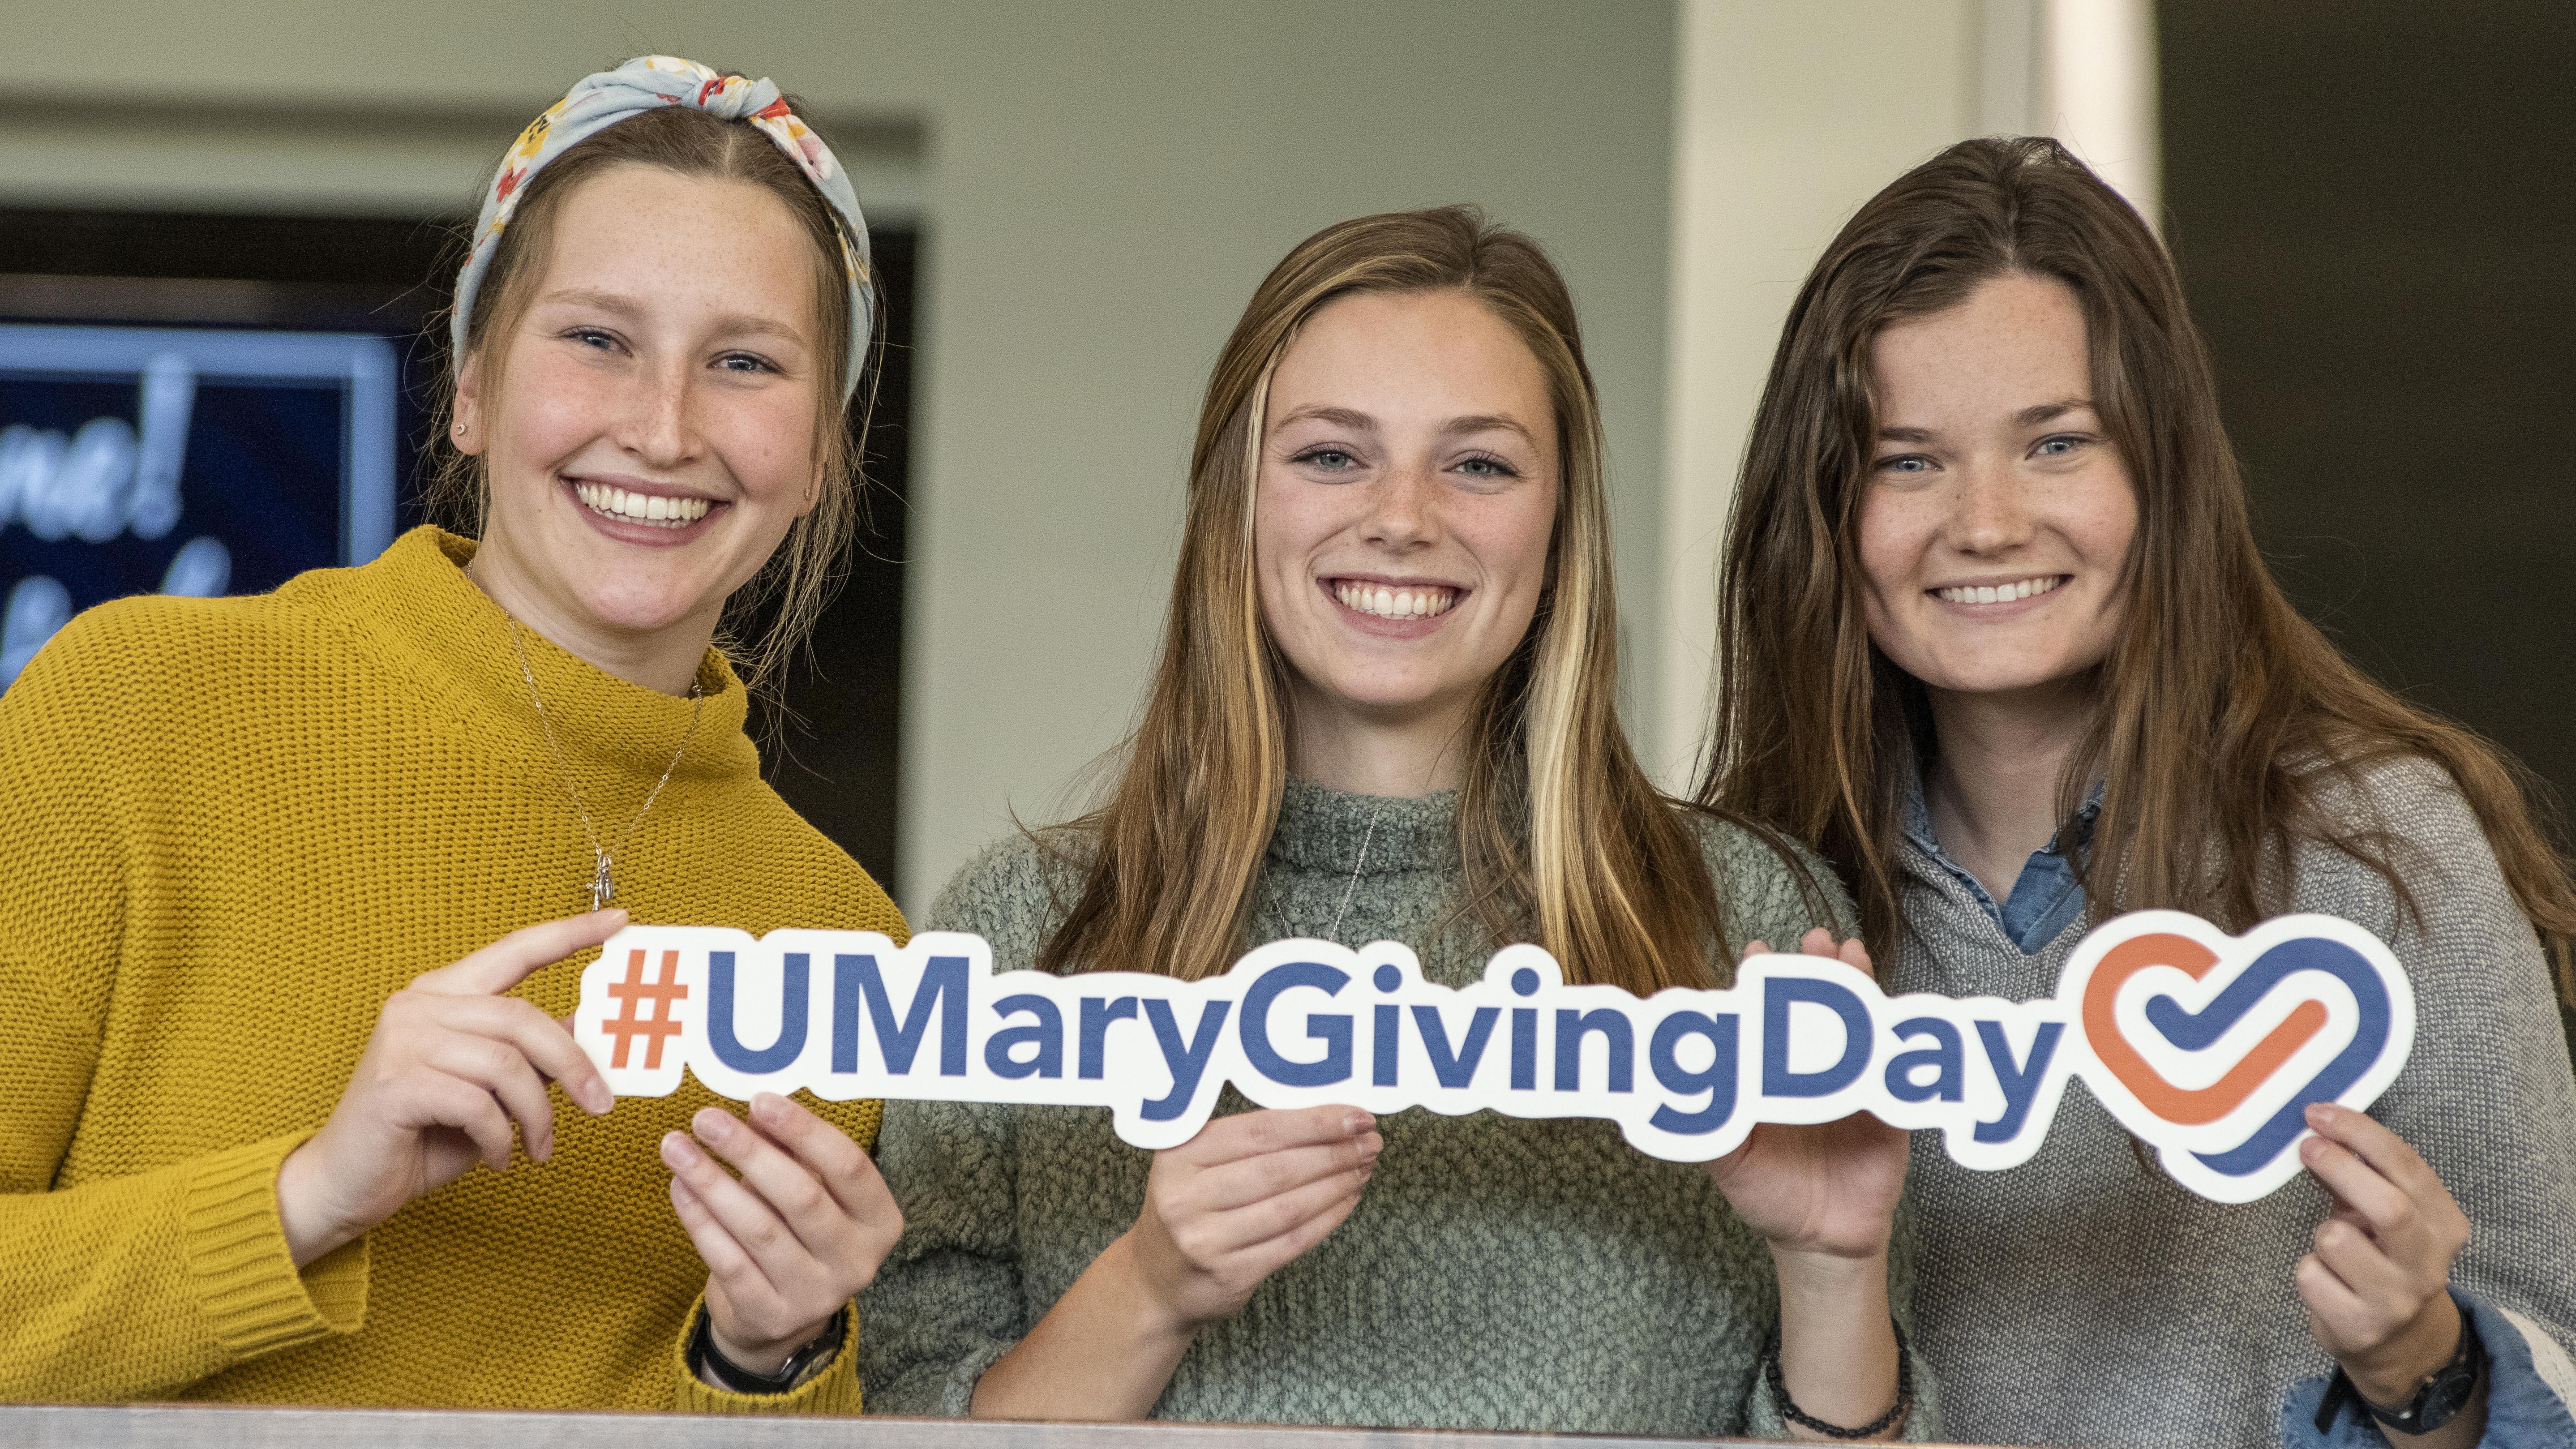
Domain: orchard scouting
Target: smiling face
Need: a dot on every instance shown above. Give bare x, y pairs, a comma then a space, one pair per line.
1405, 503
1997, 517
651, 435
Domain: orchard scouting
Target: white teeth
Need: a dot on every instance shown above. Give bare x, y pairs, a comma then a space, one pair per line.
2001, 593
1418, 602
628, 507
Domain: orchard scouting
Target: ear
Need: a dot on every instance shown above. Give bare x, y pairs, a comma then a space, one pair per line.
467, 430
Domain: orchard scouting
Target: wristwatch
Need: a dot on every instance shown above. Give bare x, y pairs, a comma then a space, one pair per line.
711, 1366
2441, 1397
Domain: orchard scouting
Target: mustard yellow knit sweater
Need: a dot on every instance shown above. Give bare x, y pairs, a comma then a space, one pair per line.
229, 829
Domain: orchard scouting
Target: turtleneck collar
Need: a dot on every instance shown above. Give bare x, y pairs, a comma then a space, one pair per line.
416, 601
1324, 829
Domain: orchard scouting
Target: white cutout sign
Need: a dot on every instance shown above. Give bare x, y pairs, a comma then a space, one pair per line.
2207, 1046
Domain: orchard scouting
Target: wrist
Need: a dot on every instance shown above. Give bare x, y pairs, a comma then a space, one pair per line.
1831, 1278
310, 1227
1155, 1314
761, 1357
2390, 1375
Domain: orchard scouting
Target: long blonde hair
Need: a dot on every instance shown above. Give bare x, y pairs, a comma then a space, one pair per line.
1559, 830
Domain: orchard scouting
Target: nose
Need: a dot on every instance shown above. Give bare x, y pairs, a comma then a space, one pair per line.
658, 426
1990, 511
1402, 510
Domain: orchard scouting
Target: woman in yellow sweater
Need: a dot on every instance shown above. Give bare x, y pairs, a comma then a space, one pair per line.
266, 1029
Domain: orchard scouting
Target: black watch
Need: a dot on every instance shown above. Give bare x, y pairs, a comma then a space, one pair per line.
710, 1365
2441, 1398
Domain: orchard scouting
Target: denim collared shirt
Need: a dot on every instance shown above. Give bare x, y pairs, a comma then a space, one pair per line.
2046, 895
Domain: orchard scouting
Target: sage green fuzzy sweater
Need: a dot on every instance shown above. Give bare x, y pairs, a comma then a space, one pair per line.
1497, 1273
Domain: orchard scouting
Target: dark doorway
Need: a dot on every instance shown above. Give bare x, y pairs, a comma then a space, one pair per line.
2371, 204
831, 745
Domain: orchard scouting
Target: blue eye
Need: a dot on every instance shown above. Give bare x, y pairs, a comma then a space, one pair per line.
591, 337
1906, 463
744, 362
1487, 466
2059, 446
1330, 459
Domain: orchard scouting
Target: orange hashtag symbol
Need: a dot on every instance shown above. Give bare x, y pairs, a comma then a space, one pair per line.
661, 992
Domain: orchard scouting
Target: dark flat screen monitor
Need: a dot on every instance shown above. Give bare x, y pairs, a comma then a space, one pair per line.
140, 460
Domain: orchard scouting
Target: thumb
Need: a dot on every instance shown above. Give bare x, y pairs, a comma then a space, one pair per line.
512, 959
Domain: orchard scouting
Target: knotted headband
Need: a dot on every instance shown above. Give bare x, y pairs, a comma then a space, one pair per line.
650, 82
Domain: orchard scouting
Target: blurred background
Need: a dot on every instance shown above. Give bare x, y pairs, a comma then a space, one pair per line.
223, 229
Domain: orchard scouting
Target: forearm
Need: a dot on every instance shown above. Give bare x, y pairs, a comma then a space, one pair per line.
1838, 1350
1105, 1351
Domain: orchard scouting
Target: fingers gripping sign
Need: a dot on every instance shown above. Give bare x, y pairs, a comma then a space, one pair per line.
1830, 1187
453, 1069
2376, 1287
1243, 1199
790, 1236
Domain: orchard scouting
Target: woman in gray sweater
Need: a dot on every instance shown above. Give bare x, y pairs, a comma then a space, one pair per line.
1999, 644
1385, 711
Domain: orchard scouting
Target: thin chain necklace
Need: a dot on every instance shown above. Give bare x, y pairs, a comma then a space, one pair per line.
603, 879
1335, 934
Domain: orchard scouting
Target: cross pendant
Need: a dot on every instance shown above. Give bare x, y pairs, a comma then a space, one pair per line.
603, 888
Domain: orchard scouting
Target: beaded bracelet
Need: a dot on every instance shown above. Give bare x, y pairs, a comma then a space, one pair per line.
1790, 1411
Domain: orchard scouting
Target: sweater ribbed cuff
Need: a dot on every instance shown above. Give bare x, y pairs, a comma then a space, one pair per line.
245, 1277
834, 1389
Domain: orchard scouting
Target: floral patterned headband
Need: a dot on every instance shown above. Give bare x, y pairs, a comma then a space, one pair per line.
647, 83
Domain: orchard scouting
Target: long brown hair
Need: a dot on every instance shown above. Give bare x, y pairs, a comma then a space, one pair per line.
1559, 830
801, 574
2228, 727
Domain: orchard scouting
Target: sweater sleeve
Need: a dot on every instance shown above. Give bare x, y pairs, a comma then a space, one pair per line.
122, 1287
834, 1389
948, 1303
2486, 1097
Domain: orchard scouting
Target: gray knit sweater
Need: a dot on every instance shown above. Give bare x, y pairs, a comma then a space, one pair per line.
1497, 1273
2084, 1298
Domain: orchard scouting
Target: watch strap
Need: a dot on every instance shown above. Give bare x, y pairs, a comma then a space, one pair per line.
711, 1366
2441, 1396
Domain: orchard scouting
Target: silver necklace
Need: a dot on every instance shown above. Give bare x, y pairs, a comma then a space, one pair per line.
603, 878
1335, 934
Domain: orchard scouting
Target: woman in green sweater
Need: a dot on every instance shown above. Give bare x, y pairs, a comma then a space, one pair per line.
1385, 710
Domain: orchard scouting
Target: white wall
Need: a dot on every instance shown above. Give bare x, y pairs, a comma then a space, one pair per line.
1789, 117
1101, 185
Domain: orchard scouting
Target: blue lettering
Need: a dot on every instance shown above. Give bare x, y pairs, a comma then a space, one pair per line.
1945, 1056
1097, 1013
943, 983
1618, 1038
791, 1015
2020, 1083
1188, 1063
1662, 1053
1046, 1034
1385, 1041
1454, 1071
1779, 993
1333, 1031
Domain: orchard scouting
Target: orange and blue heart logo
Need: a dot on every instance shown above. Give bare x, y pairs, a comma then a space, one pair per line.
2210, 1047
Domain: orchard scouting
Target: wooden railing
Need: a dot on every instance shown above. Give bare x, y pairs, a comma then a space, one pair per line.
190, 1426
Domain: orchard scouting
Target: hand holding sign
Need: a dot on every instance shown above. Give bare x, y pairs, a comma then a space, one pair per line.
2377, 1286
451, 1065
1243, 1199
1828, 1188
1223, 1211
791, 1241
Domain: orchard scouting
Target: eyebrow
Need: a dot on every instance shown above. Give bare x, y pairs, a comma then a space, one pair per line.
1361, 422
735, 324
2029, 417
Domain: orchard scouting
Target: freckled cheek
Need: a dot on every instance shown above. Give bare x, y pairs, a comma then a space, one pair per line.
768, 450
547, 415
